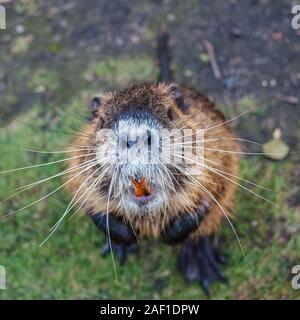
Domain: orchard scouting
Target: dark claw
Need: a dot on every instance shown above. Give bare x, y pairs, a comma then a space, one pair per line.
219, 258
120, 250
205, 286
197, 260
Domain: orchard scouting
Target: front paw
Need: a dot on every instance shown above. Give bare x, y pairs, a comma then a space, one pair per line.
114, 228
180, 228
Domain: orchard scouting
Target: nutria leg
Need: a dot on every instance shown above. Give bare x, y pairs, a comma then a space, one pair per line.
123, 240
199, 261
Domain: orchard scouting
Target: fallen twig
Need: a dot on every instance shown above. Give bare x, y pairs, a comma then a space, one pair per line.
212, 58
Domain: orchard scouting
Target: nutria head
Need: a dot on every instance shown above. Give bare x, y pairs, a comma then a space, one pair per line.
139, 146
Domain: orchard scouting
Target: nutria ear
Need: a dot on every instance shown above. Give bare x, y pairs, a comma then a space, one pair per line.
95, 105
178, 96
175, 91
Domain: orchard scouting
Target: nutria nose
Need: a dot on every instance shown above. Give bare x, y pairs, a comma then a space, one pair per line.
144, 139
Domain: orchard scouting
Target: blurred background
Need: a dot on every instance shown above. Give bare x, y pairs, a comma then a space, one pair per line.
55, 55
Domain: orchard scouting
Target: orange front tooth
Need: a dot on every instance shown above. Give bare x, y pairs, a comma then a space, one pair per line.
140, 188
145, 186
134, 182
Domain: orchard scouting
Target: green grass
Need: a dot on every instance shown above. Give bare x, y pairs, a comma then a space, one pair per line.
70, 265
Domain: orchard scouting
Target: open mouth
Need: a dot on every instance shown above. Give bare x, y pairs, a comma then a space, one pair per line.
142, 191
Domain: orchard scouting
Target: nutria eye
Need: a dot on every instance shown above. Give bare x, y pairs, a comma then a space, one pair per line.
95, 104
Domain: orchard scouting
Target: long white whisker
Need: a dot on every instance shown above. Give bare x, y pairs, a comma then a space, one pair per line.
125, 208
48, 195
225, 215
237, 177
75, 116
107, 227
230, 120
69, 208
227, 151
47, 164
232, 227
82, 148
55, 152
193, 117
33, 184
217, 139
236, 183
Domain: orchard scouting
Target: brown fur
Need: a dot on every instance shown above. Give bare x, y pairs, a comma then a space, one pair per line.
201, 114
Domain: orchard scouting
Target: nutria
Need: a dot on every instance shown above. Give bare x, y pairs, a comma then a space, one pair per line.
158, 199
